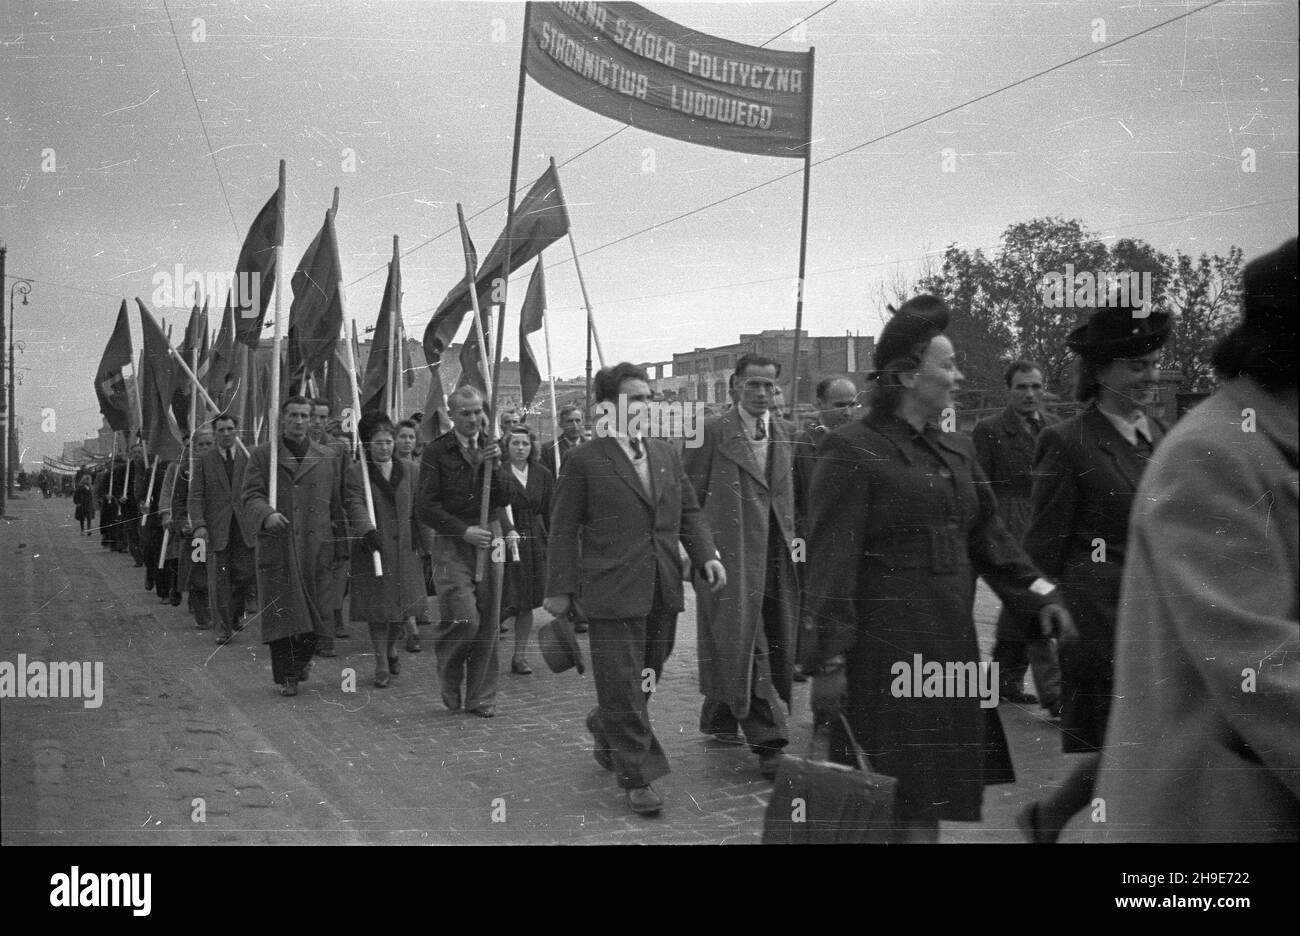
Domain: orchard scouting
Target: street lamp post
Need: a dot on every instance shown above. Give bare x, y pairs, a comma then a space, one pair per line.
23, 287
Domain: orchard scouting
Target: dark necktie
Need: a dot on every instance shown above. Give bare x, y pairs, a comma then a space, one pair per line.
636, 448
1035, 424
760, 432
230, 466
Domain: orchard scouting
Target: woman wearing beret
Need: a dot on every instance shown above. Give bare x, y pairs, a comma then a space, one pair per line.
1086, 473
901, 521
383, 602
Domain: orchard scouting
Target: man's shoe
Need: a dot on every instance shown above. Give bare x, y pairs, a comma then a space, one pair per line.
199, 625
1053, 709
581, 628
394, 665
769, 762
340, 633
224, 639
381, 680
485, 711
413, 643
798, 675
451, 700
519, 666
305, 673
290, 687
644, 800
1018, 696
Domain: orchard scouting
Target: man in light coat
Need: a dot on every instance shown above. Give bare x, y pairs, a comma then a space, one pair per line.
297, 539
743, 477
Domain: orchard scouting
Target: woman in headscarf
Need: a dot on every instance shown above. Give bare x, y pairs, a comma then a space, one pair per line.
901, 521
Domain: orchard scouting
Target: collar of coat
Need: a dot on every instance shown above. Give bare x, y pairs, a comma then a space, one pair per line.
901, 433
1013, 424
386, 486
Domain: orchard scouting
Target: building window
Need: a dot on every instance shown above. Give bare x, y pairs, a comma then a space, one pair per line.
720, 391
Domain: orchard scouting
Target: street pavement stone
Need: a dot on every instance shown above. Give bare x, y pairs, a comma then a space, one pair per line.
189, 729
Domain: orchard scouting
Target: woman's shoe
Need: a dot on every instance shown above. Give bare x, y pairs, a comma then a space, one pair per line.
519, 666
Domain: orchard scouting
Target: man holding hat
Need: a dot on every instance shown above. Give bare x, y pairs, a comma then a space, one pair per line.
1086, 474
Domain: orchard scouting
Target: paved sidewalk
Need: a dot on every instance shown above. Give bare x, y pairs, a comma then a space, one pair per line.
184, 720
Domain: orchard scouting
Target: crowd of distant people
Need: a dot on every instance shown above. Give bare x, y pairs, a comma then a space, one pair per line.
1147, 574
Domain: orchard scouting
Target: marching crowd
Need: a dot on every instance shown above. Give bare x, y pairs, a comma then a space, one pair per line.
1147, 573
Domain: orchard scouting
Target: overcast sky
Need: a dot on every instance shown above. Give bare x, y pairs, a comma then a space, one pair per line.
1144, 140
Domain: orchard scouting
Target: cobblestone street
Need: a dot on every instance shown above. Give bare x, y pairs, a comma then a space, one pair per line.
188, 729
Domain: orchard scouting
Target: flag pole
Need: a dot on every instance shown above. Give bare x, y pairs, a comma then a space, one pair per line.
273, 412
148, 495
803, 249
401, 333
194, 405
356, 431
171, 496
586, 300
390, 390
486, 357
550, 377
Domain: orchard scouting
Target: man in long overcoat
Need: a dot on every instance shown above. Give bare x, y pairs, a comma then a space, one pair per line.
214, 505
296, 540
743, 477
332, 625
1004, 445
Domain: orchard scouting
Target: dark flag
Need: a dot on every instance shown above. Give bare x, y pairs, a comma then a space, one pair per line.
376, 388
157, 384
530, 320
223, 361
540, 220
255, 270
194, 346
115, 368
316, 313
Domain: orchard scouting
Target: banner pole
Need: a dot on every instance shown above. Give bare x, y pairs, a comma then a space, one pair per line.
485, 356
803, 248
273, 412
206, 397
148, 495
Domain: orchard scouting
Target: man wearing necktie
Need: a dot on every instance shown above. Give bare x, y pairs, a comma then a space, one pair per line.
1004, 446
743, 475
622, 506
449, 501
228, 542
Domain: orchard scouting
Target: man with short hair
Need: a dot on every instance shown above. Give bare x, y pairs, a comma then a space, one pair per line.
449, 500
570, 436
743, 476
299, 539
1004, 447
622, 506
215, 514
332, 616
837, 404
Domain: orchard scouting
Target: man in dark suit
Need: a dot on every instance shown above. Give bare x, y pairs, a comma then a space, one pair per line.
1004, 445
622, 505
215, 515
570, 437
449, 500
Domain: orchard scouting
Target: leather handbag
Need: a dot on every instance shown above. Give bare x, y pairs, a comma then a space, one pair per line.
815, 802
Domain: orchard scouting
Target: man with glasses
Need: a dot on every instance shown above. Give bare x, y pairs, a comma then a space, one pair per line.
622, 506
743, 476
837, 404
299, 538
449, 500
570, 437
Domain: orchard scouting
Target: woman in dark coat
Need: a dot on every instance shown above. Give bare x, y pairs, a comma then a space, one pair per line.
386, 601
531, 486
1086, 473
901, 523
84, 499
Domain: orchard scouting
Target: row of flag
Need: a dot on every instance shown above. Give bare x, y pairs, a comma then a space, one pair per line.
234, 372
